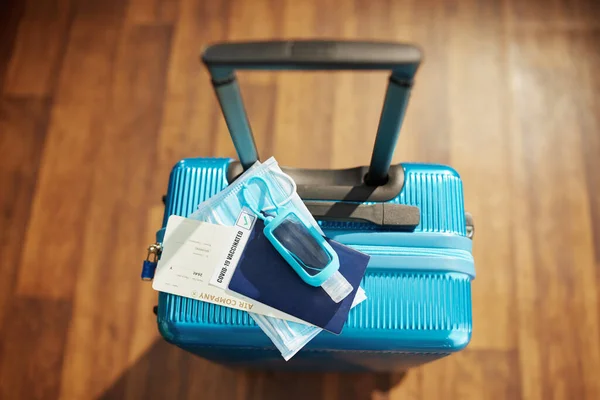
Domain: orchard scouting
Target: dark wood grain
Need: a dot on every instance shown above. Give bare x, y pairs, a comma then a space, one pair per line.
473, 374
274, 385
153, 11
39, 48
10, 16
361, 386
187, 377
100, 98
67, 168
105, 10
589, 123
32, 350
561, 262
134, 99
477, 68
23, 123
260, 90
190, 120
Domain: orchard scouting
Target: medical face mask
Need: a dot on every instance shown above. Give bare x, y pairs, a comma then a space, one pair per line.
289, 226
250, 190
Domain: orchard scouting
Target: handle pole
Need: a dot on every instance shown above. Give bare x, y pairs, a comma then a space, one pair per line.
403, 60
392, 116
232, 106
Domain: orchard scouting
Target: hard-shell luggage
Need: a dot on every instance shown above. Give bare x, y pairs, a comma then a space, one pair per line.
409, 218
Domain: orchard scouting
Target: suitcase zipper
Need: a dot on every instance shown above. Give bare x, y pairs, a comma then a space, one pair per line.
420, 259
413, 251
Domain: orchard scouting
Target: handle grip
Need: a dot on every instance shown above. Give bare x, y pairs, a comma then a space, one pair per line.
382, 214
402, 59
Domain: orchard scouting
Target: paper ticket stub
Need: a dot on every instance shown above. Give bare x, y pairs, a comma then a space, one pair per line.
196, 253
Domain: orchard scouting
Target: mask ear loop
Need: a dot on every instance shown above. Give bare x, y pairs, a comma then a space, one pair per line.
289, 197
259, 213
275, 204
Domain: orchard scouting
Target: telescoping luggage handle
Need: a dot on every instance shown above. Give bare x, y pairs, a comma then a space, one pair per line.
401, 59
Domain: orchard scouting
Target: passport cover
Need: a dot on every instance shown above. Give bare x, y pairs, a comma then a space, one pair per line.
263, 275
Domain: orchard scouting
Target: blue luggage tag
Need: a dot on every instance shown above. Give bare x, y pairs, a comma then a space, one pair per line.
298, 242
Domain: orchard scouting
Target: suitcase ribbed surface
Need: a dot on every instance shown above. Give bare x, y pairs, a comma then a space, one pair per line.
438, 194
436, 190
183, 309
192, 182
438, 301
429, 302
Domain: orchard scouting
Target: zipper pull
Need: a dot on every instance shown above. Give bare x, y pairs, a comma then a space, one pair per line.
149, 264
470, 225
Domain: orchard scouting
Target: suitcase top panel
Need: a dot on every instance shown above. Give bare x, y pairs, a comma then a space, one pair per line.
436, 189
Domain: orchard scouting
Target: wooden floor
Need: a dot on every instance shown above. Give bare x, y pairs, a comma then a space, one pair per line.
100, 98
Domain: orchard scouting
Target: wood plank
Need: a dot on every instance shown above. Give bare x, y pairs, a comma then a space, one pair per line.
165, 371
108, 10
473, 374
188, 123
32, 348
299, 138
586, 240
353, 96
479, 146
41, 9
559, 293
527, 293
23, 123
557, 14
354, 99
407, 385
146, 355
259, 89
589, 122
62, 202
10, 15
365, 385
39, 49
277, 385
152, 11
359, 96
217, 382
426, 136
145, 330
299, 131
126, 143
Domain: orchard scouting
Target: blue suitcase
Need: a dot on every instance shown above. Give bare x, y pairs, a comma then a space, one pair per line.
418, 281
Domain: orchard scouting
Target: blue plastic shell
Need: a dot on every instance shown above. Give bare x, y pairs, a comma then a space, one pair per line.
418, 285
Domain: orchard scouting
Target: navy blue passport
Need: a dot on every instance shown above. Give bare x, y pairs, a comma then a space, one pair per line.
263, 275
